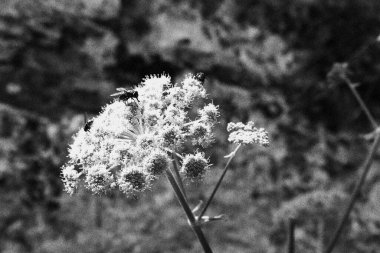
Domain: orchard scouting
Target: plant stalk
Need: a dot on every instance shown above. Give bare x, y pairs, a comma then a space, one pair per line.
365, 169
291, 239
178, 176
321, 235
218, 183
190, 216
361, 102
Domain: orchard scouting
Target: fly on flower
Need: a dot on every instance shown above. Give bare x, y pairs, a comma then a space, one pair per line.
124, 94
200, 77
87, 123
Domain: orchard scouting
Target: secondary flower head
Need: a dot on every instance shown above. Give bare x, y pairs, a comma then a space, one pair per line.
209, 113
127, 143
247, 134
98, 178
194, 166
133, 179
201, 134
157, 162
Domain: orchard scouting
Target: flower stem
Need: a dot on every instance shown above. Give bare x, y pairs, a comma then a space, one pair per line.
291, 239
321, 235
178, 176
190, 216
218, 183
361, 102
365, 169
174, 153
192, 122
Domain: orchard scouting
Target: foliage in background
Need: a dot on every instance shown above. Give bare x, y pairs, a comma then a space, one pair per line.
264, 61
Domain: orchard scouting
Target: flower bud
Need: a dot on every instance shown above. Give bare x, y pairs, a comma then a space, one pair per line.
209, 113
193, 89
194, 166
145, 141
174, 96
98, 178
157, 163
133, 179
151, 117
70, 178
172, 136
201, 134
175, 115
120, 154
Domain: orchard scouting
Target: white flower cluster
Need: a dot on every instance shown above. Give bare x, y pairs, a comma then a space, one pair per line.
247, 134
127, 145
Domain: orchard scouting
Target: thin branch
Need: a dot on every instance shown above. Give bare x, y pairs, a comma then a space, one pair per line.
365, 169
291, 240
174, 153
190, 216
321, 235
361, 102
218, 183
178, 176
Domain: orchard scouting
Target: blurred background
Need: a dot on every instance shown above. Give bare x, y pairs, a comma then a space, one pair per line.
264, 60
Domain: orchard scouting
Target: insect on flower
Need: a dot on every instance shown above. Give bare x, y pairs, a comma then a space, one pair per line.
200, 77
124, 94
87, 123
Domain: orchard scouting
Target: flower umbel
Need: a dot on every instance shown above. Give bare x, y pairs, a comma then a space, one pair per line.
247, 134
127, 144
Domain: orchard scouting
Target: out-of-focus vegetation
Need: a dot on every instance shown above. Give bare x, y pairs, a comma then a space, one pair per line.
264, 61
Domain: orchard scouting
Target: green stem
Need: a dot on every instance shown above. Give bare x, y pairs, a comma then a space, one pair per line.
190, 216
291, 240
218, 183
178, 176
174, 153
361, 102
365, 169
321, 235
